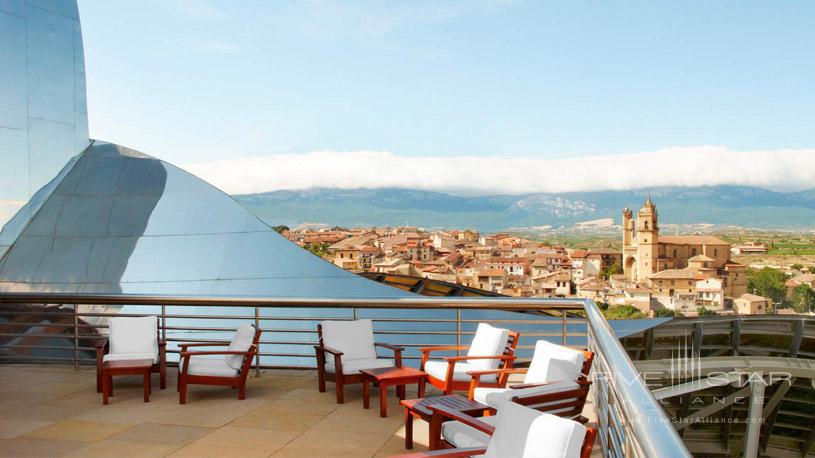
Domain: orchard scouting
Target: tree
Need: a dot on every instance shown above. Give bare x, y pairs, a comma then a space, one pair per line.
318, 248
664, 313
623, 312
701, 311
614, 269
280, 229
768, 282
802, 298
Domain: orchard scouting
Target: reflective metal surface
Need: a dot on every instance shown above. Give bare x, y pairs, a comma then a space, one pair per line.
43, 109
119, 221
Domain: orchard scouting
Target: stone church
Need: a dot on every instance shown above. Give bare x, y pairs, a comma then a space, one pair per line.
648, 256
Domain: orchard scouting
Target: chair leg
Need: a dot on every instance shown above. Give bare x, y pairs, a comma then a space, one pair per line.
182, 389
340, 390
242, 391
321, 380
98, 379
162, 376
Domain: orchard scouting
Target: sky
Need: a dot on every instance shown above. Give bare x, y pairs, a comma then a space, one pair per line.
467, 97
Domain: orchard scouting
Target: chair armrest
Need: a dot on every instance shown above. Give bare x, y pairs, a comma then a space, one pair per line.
465, 358
205, 344
101, 343
448, 348
201, 353
453, 414
389, 346
449, 453
162, 343
328, 350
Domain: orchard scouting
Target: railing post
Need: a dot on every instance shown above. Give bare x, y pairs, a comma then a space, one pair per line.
458, 330
257, 326
76, 339
163, 323
563, 330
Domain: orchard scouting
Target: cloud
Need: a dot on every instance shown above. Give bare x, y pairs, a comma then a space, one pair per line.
781, 170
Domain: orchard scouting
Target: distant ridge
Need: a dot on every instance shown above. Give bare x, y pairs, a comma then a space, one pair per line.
717, 205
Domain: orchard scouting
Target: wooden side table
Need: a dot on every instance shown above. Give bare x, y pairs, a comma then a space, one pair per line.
125, 367
389, 376
419, 408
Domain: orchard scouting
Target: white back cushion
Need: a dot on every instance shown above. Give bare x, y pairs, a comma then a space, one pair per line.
243, 339
521, 432
134, 335
552, 363
355, 339
488, 341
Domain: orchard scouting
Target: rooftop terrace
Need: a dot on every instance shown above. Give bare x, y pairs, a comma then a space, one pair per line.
55, 411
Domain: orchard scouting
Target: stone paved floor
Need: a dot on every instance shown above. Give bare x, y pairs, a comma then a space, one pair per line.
55, 411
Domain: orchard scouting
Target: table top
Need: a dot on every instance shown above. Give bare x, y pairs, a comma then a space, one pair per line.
453, 401
128, 364
389, 373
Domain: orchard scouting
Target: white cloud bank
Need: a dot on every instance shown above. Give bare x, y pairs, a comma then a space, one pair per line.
781, 170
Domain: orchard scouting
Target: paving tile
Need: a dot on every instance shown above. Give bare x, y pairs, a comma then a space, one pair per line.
294, 423
110, 448
157, 433
232, 436
74, 430
290, 406
216, 451
14, 428
20, 447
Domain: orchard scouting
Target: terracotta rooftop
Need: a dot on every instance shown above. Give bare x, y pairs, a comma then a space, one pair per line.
691, 240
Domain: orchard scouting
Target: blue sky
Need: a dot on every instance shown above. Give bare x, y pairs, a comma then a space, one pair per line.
198, 81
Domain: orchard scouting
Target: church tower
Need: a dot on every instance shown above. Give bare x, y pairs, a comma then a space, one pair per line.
628, 227
647, 241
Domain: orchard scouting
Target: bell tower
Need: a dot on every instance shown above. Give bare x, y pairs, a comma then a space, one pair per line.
628, 227
647, 241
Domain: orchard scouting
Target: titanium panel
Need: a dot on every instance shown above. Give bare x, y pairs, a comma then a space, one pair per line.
119, 221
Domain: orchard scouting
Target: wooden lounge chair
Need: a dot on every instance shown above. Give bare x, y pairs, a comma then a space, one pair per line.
351, 346
490, 349
132, 338
554, 369
516, 432
230, 370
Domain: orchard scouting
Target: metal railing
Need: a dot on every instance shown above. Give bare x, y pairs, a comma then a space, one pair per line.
630, 420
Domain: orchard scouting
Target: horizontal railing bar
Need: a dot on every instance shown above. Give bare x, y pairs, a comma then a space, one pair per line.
498, 303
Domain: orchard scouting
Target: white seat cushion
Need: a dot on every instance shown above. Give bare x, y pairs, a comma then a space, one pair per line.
438, 369
496, 397
521, 432
355, 365
214, 367
134, 336
243, 339
129, 357
463, 436
552, 363
488, 341
355, 339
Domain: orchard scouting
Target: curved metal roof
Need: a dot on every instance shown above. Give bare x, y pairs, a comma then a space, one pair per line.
120, 221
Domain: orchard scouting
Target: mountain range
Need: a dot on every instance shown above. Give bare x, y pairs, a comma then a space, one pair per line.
742, 206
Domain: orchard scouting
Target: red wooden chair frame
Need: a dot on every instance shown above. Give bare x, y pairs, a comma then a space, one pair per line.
448, 385
445, 413
339, 378
238, 381
475, 382
103, 347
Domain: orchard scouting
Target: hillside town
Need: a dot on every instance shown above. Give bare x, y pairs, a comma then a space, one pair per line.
657, 274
